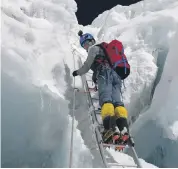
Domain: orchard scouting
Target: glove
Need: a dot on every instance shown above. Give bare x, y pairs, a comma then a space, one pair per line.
75, 73
94, 79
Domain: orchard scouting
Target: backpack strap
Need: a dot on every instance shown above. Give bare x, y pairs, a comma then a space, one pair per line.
106, 55
124, 60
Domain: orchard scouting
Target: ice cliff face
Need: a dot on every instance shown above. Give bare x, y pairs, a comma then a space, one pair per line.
36, 55
158, 126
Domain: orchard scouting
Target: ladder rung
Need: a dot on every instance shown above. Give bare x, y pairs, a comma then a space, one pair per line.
115, 146
98, 112
90, 81
94, 98
100, 125
124, 165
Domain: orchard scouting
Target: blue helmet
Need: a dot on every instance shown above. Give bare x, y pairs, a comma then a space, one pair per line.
84, 37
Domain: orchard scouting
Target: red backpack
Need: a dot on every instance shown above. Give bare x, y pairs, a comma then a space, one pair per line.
114, 51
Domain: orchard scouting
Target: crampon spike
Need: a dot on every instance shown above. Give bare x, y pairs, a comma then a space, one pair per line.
125, 137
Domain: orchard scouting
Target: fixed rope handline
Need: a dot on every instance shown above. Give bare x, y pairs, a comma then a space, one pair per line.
73, 113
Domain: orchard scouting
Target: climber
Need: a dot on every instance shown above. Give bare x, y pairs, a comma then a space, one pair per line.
113, 112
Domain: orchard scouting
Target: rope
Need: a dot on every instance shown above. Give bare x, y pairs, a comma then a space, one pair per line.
72, 130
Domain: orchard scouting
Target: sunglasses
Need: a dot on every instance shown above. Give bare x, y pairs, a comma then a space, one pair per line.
86, 43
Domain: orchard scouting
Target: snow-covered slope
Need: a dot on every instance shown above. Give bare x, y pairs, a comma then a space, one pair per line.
127, 160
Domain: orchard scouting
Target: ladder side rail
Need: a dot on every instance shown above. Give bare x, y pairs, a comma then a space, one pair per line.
135, 157
94, 119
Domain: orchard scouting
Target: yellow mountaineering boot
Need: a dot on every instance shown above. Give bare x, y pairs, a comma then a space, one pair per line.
121, 111
122, 114
107, 110
107, 113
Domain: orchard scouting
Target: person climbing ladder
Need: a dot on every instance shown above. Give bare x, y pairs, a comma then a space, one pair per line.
110, 66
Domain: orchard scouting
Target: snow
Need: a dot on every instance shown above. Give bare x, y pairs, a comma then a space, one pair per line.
124, 159
35, 45
40, 49
174, 128
160, 120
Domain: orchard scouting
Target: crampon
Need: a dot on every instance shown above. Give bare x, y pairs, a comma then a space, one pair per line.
118, 142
